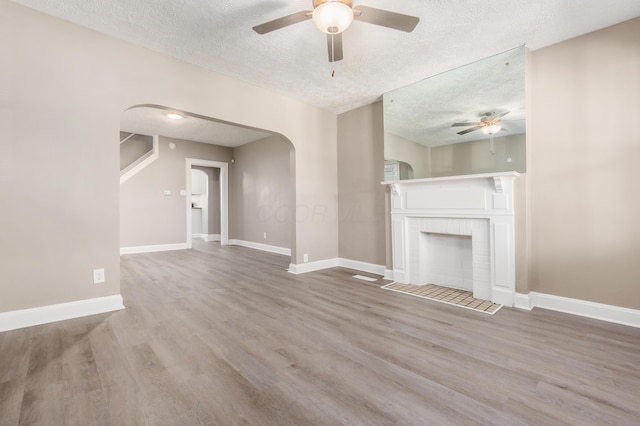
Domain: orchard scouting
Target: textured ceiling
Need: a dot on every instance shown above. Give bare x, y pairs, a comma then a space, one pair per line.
151, 120
217, 35
423, 112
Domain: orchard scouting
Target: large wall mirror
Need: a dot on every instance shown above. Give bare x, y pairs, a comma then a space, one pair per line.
465, 121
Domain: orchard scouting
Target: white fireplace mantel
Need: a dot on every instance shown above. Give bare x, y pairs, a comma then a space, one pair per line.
480, 206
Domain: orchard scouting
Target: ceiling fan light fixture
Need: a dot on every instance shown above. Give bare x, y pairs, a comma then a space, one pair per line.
332, 17
491, 129
174, 115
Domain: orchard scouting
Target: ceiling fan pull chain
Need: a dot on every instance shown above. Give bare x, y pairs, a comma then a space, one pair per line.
333, 55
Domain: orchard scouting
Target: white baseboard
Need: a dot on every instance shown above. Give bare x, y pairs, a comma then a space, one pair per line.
153, 249
264, 247
361, 266
388, 274
523, 301
207, 237
303, 268
599, 311
502, 296
399, 276
45, 314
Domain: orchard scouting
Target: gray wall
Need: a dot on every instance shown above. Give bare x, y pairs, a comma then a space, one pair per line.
260, 193
360, 171
583, 167
475, 157
147, 217
416, 155
64, 121
213, 177
458, 159
133, 148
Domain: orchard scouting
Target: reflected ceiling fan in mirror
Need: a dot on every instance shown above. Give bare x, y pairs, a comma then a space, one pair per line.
490, 123
334, 16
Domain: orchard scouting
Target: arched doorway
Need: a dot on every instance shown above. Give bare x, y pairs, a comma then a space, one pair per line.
149, 216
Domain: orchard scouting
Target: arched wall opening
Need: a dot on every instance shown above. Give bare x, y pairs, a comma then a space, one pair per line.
69, 111
256, 182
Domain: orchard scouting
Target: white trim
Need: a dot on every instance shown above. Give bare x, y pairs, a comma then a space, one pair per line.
153, 249
224, 197
362, 266
207, 237
388, 274
264, 247
127, 138
142, 162
501, 296
522, 301
363, 278
45, 314
452, 178
398, 276
303, 268
599, 311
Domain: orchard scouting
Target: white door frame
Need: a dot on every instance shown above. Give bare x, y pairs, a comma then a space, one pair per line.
224, 197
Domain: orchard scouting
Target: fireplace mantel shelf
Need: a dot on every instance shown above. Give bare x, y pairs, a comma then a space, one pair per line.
497, 180
452, 178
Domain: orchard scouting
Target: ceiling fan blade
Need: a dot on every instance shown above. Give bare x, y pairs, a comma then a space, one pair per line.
285, 21
502, 114
464, 124
384, 18
464, 132
334, 46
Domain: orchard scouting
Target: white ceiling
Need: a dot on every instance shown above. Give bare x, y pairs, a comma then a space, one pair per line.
151, 120
217, 34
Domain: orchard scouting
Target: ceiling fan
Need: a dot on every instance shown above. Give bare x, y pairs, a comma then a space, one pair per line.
490, 123
334, 16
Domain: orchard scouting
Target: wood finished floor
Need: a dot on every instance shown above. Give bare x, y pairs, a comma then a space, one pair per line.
225, 336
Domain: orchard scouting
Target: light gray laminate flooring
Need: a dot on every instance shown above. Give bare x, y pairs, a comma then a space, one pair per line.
225, 336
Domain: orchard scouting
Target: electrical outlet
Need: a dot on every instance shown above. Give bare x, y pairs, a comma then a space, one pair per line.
305, 258
265, 235
98, 276
166, 192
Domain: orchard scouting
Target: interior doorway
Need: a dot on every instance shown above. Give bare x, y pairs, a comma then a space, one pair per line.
205, 203
195, 197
